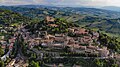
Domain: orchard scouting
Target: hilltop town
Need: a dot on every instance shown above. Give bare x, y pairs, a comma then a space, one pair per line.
27, 45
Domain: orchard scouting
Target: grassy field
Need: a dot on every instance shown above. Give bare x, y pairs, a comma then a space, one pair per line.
109, 34
112, 35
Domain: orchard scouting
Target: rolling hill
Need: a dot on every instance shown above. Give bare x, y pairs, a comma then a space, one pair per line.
112, 8
40, 9
9, 17
104, 20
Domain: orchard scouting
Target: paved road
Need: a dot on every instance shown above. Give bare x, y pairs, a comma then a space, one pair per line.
82, 57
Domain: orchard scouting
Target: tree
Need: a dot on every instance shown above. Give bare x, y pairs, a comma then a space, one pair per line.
34, 64
114, 65
1, 63
1, 51
99, 63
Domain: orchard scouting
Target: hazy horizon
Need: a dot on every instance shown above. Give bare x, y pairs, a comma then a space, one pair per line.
69, 3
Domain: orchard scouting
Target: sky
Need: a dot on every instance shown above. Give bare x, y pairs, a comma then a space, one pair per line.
93, 3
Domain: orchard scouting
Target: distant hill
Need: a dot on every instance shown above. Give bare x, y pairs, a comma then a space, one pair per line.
78, 10
108, 25
112, 8
104, 20
95, 12
9, 17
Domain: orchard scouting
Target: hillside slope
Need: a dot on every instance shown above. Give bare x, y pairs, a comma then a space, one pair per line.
9, 17
104, 20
